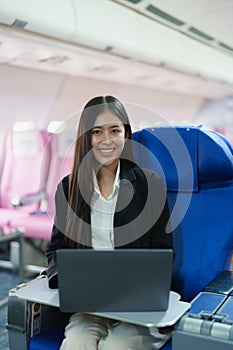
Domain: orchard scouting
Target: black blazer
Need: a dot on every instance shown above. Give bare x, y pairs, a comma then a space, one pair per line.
141, 218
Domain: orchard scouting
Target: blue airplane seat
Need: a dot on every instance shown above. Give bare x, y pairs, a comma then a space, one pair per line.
50, 339
197, 168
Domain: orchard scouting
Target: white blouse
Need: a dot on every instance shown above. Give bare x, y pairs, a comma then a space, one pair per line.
102, 214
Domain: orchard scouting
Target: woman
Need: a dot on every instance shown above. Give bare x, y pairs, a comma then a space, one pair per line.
107, 202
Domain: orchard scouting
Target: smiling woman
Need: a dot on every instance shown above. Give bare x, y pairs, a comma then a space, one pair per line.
107, 202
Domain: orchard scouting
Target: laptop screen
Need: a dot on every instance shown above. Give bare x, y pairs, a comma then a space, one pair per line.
116, 280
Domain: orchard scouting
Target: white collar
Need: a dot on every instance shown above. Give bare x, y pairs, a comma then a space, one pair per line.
116, 183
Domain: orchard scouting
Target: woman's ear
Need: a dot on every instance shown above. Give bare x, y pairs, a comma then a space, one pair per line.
126, 134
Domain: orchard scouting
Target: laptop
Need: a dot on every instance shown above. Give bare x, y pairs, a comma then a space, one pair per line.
118, 280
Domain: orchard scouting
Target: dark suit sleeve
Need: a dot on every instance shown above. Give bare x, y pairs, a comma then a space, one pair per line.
58, 238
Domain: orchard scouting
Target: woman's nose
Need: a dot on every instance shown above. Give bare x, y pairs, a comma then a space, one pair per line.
106, 137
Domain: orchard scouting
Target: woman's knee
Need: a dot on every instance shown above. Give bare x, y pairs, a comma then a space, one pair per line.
127, 337
87, 324
80, 342
83, 332
112, 342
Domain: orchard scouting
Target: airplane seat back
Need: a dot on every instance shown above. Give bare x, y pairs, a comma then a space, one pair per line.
38, 224
197, 168
62, 146
25, 167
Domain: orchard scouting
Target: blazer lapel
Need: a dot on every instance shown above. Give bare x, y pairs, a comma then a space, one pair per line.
126, 193
127, 207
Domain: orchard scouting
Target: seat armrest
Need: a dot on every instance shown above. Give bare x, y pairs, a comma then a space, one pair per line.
222, 284
28, 199
44, 272
28, 318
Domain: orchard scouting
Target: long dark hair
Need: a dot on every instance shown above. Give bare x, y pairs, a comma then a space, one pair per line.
81, 178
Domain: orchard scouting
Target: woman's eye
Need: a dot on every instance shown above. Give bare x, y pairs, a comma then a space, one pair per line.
96, 132
115, 131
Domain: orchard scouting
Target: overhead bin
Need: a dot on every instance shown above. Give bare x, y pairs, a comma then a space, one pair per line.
55, 18
109, 26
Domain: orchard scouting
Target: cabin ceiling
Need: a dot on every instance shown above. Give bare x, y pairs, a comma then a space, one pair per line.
183, 46
209, 21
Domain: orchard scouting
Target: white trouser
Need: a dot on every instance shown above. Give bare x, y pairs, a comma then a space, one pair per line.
88, 332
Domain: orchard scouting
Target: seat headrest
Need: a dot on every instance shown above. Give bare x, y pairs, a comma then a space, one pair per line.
188, 158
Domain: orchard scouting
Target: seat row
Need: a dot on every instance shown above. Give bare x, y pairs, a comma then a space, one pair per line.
197, 168
33, 162
195, 164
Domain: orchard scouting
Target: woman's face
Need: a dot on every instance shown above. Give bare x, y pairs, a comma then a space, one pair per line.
108, 138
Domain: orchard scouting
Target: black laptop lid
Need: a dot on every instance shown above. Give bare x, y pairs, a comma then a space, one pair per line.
114, 280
